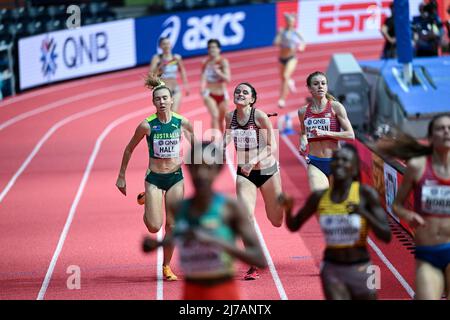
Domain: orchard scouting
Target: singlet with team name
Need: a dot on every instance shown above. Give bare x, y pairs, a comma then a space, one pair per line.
210, 73
325, 120
164, 140
432, 193
169, 67
342, 229
245, 137
199, 260
289, 39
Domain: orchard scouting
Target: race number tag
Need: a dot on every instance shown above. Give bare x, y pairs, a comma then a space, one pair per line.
245, 139
166, 148
436, 199
341, 229
316, 123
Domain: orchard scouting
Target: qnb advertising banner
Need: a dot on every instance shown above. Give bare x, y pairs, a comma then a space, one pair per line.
75, 53
235, 27
344, 20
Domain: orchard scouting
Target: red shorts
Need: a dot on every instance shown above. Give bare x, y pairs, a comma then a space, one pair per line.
218, 97
227, 290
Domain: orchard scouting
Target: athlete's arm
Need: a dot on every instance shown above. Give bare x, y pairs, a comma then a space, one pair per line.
183, 73
203, 83
277, 40
267, 135
414, 171
294, 223
239, 222
140, 132
374, 213
154, 65
347, 129
303, 145
302, 45
188, 130
225, 74
227, 137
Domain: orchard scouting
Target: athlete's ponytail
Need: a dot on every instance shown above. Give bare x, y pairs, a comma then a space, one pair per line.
154, 83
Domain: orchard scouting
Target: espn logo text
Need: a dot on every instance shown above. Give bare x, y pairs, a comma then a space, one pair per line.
351, 17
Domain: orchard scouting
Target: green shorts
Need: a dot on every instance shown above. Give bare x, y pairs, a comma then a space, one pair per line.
164, 181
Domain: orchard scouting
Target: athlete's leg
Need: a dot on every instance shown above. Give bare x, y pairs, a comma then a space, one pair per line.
153, 215
223, 109
447, 281
317, 179
213, 109
173, 196
270, 191
176, 101
333, 288
286, 73
429, 281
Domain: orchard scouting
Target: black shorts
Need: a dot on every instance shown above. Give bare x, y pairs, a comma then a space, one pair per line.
259, 177
284, 61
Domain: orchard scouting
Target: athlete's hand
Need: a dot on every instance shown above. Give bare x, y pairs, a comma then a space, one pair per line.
302, 47
415, 220
319, 132
246, 169
121, 185
202, 236
286, 201
187, 90
303, 150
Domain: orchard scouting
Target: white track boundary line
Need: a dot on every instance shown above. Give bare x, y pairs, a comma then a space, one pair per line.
159, 262
375, 248
80, 191
60, 124
78, 195
273, 270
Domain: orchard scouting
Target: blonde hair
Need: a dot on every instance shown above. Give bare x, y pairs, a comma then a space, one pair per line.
154, 83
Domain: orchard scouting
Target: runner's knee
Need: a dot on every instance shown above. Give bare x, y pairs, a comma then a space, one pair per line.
152, 226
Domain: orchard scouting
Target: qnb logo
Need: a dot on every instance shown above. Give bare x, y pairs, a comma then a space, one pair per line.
78, 51
226, 28
48, 57
351, 17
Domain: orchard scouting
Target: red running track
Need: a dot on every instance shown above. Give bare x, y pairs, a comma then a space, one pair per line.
59, 207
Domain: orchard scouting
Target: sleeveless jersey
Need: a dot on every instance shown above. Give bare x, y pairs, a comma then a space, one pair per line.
342, 229
245, 137
432, 194
289, 39
210, 73
164, 140
325, 120
199, 260
169, 67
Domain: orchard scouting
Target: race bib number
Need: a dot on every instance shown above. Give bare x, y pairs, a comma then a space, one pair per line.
245, 139
436, 199
316, 123
202, 258
166, 148
341, 229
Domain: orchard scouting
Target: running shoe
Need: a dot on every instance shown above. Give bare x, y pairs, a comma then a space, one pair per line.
141, 198
168, 274
252, 274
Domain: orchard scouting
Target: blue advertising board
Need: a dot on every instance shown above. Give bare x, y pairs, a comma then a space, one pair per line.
236, 28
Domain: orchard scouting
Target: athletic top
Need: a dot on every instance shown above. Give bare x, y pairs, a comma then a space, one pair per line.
199, 260
432, 194
245, 137
325, 120
210, 72
342, 229
169, 67
289, 39
164, 140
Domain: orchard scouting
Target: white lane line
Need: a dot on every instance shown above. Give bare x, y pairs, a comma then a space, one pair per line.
375, 248
273, 270
58, 125
80, 191
159, 262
